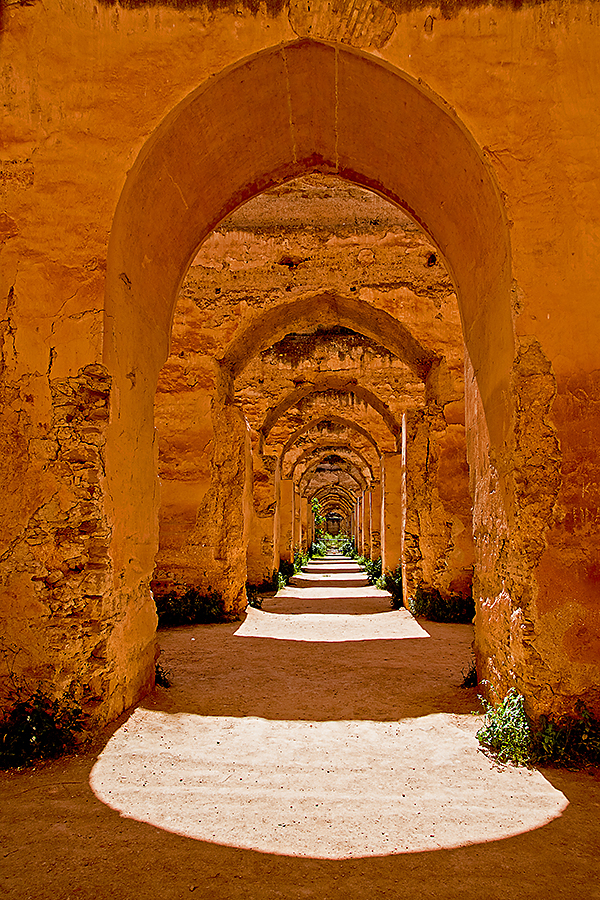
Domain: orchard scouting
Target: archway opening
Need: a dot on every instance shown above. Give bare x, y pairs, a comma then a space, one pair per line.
359, 119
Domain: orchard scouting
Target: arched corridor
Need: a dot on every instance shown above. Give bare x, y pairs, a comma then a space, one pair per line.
414, 354
280, 276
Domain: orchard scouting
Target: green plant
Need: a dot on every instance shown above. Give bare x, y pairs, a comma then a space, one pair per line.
432, 605
162, 676
373, 569
190, 609
572, 741
39, 727
319, 519
346, 546
470, 677
318, 549
300, 560
510, 736
286, 571
506, 731
392, 582
253, 597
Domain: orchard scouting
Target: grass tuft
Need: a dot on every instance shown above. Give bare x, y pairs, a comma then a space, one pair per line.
510, 736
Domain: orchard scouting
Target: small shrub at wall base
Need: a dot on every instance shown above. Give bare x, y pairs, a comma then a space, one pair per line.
286, 571
300, 560
392, 582
510, 736
193, 608
253, 596
161, 676
346, 547
433, 606
372, 568
39, 727
470, 677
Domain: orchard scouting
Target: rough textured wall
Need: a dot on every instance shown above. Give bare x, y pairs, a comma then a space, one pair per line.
77, 629
533, 631
84, 85
438, 540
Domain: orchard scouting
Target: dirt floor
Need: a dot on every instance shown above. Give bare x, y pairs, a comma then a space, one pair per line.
322, 748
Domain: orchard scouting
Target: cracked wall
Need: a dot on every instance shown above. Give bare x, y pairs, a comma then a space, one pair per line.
83, 90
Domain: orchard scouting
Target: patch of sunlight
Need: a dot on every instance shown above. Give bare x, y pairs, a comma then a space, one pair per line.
326, 790
329, 628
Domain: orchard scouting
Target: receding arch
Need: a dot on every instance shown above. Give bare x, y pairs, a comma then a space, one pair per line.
335, 420
349, 469
334, 496
341, 384
327, 449
304, 451
321, 310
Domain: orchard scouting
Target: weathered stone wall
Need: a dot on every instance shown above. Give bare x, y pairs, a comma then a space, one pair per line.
61, 548
438, 544
531, 631
83, 88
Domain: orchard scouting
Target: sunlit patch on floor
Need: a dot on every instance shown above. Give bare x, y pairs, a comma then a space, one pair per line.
327, 790
323, 627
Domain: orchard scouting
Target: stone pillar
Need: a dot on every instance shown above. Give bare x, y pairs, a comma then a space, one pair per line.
368, 497
376, 504
359, 526
438, 549
286, 513
297, 520
214, 555
304, 520
393, 510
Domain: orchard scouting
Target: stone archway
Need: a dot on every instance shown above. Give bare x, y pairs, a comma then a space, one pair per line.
337, 384
301, 107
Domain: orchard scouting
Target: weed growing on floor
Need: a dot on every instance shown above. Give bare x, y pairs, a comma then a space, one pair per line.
300, 560
162, 677
253, 597
371, 566
506, 731
431, 605
39, 727
392, 582
193, 608
510, 736
470, 677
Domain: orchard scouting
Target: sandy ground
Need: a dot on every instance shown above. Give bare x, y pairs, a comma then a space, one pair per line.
321, 748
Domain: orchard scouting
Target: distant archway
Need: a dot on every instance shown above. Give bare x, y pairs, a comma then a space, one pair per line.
325, 420
321, 452
342, 384
300, 107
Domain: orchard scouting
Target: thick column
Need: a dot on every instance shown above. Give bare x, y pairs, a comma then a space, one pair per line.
304, 520
376, 502
261, 561
286, 512
297, 520
360, 541
393, 510
368, 497
438, 548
